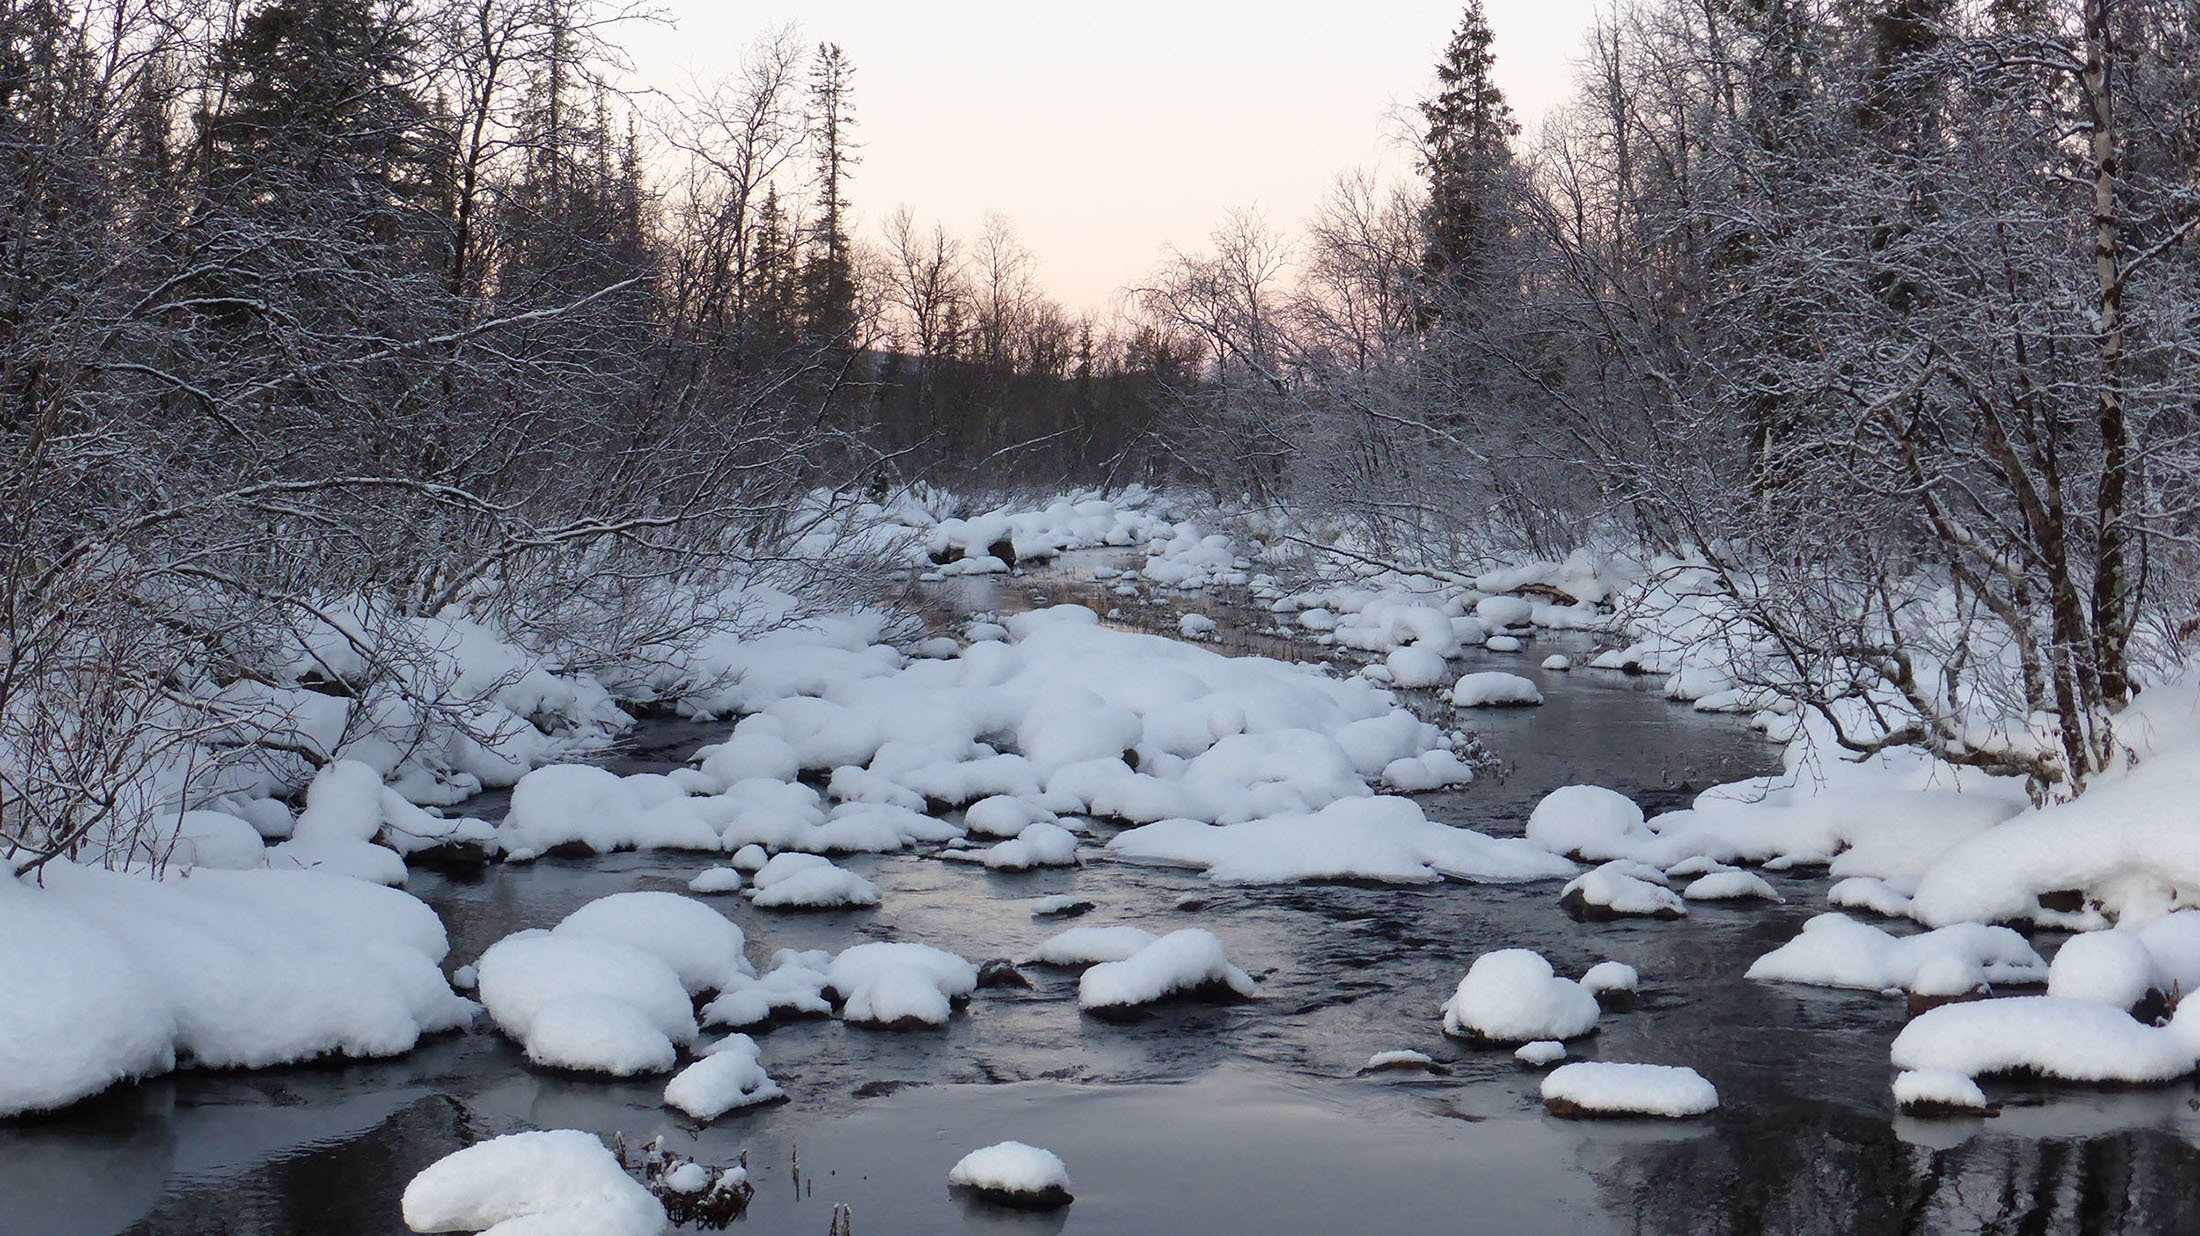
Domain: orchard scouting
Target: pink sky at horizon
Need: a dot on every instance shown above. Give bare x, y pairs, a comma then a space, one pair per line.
1106, 134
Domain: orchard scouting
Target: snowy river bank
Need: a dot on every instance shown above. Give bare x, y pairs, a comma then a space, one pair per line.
1249, 1117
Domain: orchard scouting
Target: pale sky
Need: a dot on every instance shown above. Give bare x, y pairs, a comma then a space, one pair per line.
1107, 131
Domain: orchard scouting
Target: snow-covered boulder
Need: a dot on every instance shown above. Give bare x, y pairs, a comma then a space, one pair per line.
1541, 1054
1014, 1174
701, 945
1495, 689
1613, 983
2112, 967
717, 880
1620, 889
1588, 822
1187, 964
558, 1183
899, 986
728, 1076
1417, 666
1599, 1088
585, 1004
1511, 996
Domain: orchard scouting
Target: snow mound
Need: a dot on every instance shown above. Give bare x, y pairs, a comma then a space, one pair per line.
1834, 950
717, 880
729, 1077
809, 882
1084, 946
1541, 1054
1512, 996
899, 985
2107, 967
1610, 976
1190, 962
1598, 1088
1495, 689
2069, 1040
1016, 1174
701, 945
1588, 822
586, 1004
560, 1183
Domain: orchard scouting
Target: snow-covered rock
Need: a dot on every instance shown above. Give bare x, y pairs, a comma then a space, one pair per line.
1085, 946
1386, 1061
1495, 689
1938, 1092
1187, 963
899, 985
717, 880
1541, 1054
1731, 886
1014, 1174
794, 986
558, 1183
1588, 822
701, 945
1834, 950
809, 882
2068, 1040
728, 1077
1600, 1088
1511, 996
1620, 889
586, 1004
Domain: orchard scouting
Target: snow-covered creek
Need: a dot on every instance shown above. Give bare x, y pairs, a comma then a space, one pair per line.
1198, 1118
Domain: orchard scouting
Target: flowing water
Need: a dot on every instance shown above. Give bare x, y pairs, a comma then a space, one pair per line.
1247, 1118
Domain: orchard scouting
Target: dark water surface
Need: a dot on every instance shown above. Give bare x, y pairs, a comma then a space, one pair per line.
1203, 1119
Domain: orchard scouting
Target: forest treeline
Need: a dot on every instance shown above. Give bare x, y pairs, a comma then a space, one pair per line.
325, 315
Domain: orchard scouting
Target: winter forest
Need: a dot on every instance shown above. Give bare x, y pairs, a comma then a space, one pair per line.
568, 667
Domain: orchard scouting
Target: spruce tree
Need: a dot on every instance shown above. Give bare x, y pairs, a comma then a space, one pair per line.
828, 283
1467, 157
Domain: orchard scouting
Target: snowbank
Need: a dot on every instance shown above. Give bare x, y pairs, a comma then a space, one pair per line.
111, 976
